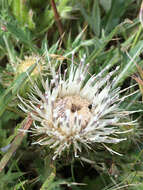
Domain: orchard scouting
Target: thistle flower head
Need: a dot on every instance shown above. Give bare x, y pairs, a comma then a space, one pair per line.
27, 62
75, 113
23, 67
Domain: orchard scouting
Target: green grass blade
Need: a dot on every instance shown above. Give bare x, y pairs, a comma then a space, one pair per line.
130, 67
96, 18
47, 185
96, 52
25, 125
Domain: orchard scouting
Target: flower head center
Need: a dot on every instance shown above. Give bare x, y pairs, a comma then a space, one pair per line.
75, 108
74, 105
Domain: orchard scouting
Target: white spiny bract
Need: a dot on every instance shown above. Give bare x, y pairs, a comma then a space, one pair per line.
72, 113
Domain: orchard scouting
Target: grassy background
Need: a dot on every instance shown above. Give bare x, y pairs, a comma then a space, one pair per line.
109, 33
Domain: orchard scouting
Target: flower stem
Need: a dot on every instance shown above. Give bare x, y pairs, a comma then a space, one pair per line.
57, 18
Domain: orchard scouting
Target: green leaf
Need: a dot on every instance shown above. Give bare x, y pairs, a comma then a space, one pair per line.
51, 174
96, 18
10, 49
78, 39
23, 35
22, 13
129, 66
96, 52
106, 4
117, 10
88, 18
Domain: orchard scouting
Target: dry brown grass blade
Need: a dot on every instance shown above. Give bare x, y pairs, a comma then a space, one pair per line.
140, 71
139, 81
141, 14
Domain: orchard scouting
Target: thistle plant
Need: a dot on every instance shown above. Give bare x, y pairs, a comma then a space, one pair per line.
27, 62
75, 112
70, 111
23, 66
